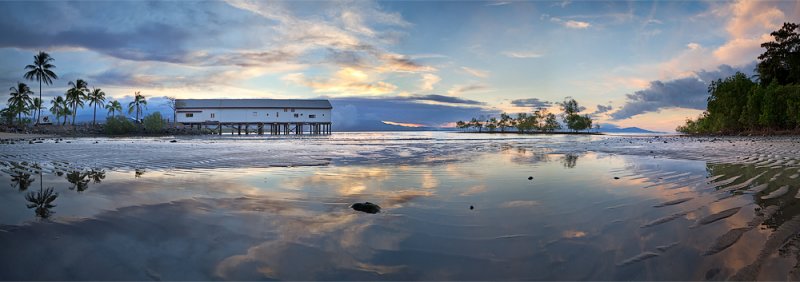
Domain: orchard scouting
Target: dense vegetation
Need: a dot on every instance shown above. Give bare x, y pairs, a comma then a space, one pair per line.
539, 121
768, 102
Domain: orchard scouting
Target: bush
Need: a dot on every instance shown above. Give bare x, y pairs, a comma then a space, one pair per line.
119, 125
153, 123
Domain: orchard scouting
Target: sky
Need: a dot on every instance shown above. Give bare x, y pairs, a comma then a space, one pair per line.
414, 63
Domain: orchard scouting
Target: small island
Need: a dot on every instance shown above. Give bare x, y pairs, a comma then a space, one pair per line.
541, 121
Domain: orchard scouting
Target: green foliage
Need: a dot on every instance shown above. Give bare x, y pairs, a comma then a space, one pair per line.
728, 100
540, 120
781, 61
573, 120
153, 123
119, 125
737, 103
550, 123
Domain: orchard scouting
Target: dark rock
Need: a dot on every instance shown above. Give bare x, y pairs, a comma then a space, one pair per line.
530, 177
471, 207
366, 207
173, 141
37, 142
711, 273
616, 177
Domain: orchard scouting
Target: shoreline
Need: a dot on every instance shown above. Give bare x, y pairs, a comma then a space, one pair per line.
20, 136
535, 133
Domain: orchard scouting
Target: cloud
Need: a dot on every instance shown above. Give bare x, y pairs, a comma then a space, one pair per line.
441, 99
689, 92
498, 3
576, 24
213, 42
401, 63
347, 81
458, 89
402, 124
749, 25
531, 103
521, 54
475, 72
568, 23
428, 80
562, 4
601, 109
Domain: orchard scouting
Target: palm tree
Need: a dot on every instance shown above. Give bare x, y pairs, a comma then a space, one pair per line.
97, 96
59, 108
20, 99
137, 103
37, 107
65, 112
40, 71
76, 95
113, 107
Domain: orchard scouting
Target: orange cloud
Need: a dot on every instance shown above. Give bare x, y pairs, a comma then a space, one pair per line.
402, 124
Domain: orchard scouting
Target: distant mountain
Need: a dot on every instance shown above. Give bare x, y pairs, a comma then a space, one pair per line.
611, 128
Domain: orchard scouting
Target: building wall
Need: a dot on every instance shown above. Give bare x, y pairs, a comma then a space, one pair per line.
253, 115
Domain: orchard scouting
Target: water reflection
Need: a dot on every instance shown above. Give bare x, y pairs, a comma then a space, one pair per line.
21, 180
569, 160
479, 218
42, 201
78, 180
97, 175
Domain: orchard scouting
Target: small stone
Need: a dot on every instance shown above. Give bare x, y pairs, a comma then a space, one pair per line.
530, 177
173, 141
471, 207
616, 177
366, 207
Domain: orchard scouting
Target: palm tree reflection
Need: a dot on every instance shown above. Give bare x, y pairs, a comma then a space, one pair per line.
21, 180
42, 201
97, 175
78, 180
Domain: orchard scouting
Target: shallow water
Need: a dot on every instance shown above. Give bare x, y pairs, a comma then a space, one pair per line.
254, 208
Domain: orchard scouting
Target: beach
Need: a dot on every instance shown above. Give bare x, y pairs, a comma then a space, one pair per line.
453, 207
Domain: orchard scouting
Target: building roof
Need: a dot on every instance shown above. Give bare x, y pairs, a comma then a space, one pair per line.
251, 103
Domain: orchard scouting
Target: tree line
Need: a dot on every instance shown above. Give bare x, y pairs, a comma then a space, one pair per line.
769, 101
540, 120
77, 96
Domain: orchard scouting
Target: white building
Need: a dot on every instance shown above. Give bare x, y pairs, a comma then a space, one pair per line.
281, 116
